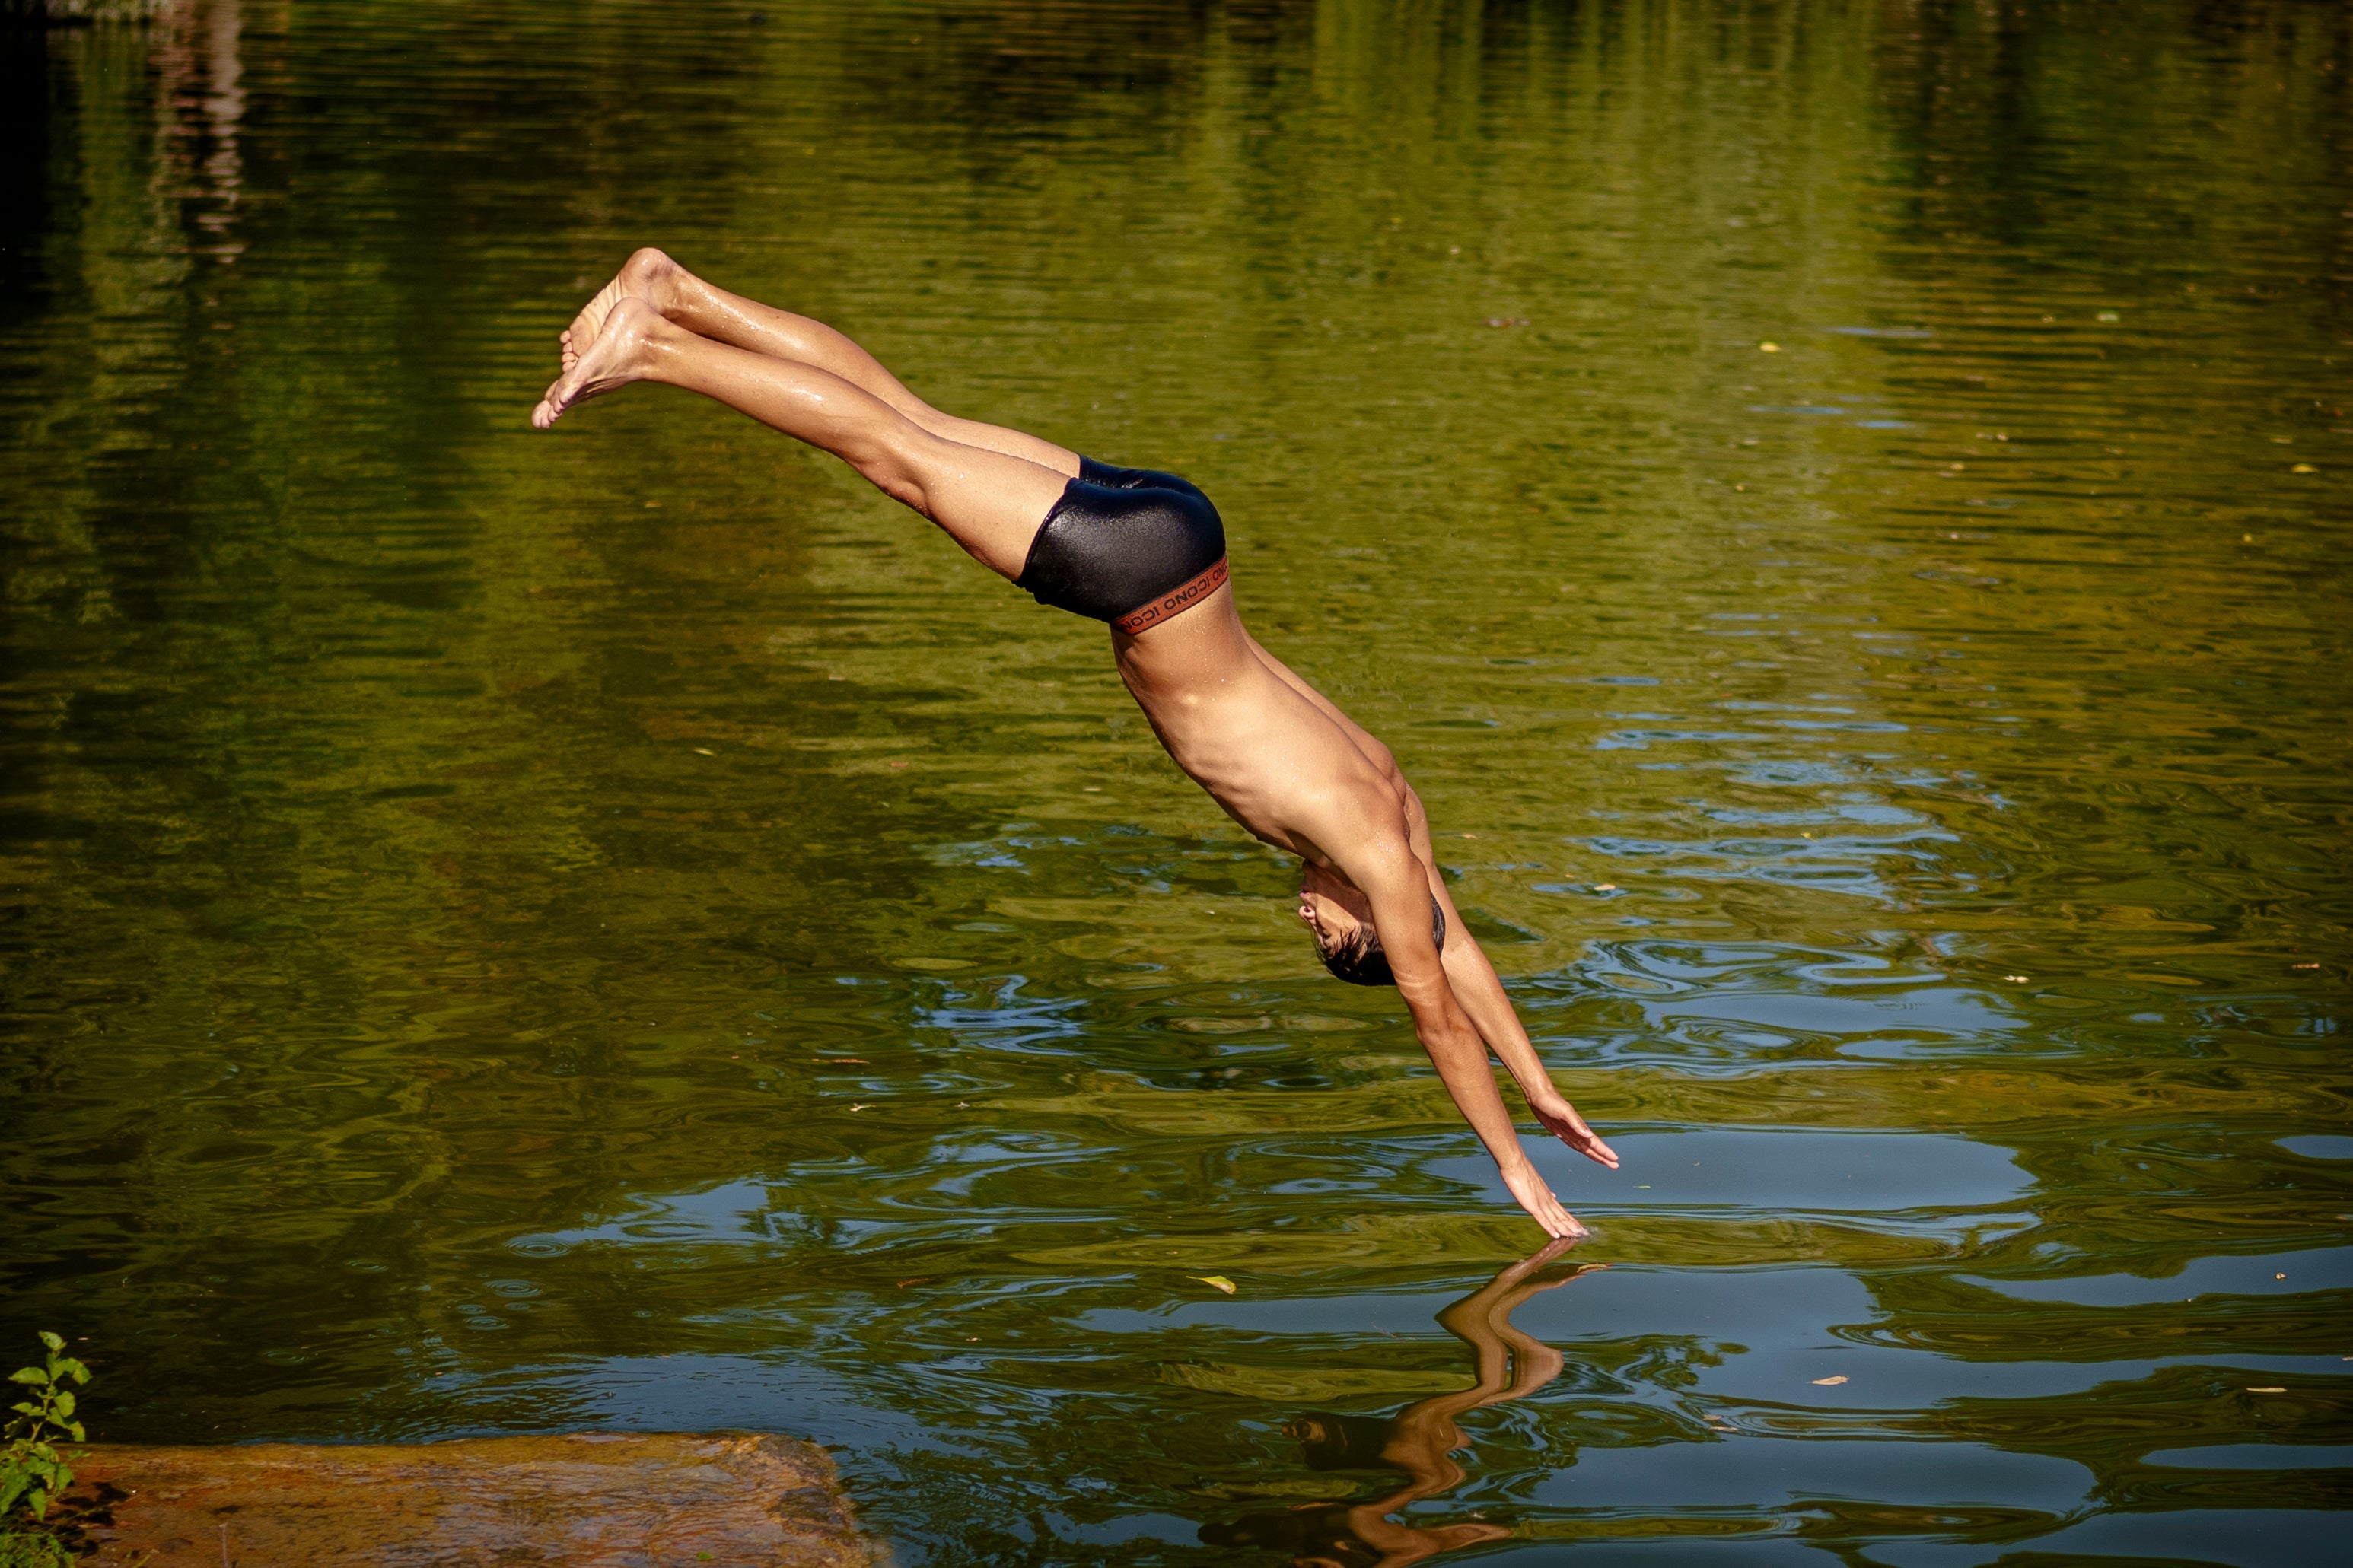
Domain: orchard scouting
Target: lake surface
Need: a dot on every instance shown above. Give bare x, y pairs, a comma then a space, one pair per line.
1843, 511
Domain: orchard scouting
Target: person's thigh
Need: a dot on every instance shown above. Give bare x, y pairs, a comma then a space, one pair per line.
990, 502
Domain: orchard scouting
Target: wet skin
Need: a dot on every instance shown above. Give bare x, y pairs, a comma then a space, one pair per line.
1276, 754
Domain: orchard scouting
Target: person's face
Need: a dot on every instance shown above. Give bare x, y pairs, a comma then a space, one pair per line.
1331, 909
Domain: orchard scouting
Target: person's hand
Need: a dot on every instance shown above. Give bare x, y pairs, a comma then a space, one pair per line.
1560, 1119
1537, 1198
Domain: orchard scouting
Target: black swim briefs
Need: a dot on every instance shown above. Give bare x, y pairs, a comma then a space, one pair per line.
1127, 546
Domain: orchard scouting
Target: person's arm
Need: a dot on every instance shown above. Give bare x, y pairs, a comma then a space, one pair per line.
1481, 995
1473, 979
1395, 882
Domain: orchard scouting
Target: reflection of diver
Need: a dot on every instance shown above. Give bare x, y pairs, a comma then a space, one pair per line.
1419, 1441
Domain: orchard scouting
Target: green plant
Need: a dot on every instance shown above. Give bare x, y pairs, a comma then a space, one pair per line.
31, 1469
32, 1548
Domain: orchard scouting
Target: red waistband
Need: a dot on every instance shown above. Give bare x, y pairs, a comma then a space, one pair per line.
1173, 602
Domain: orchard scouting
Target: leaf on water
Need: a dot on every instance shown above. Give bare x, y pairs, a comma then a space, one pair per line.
2304, 469
1830, 1381
1217, 1281
702, 751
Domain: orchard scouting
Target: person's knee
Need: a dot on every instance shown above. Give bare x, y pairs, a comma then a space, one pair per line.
888, 472
886, 451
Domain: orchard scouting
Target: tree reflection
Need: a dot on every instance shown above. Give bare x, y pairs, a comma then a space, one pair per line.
1419, 1441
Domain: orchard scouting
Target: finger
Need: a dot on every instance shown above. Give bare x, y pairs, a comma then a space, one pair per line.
1588, 1144
1543, 1208
1557, 1220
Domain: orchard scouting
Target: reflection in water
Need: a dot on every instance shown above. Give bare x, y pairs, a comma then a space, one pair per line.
213, 110
1419, 1441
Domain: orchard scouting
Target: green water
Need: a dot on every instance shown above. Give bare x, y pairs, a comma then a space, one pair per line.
627, 928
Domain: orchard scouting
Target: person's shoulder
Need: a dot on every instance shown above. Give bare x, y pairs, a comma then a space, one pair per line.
1377, 846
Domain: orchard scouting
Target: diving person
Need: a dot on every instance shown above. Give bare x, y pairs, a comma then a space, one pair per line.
1144, 553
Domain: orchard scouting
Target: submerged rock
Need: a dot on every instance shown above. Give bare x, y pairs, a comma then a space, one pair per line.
588, 1500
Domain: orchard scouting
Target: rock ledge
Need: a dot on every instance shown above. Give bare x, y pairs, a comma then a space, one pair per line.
592, 1500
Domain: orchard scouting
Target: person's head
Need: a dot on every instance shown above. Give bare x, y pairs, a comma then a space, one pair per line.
1342, 922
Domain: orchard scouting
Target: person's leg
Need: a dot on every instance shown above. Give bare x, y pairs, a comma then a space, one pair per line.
990, 502
712, 312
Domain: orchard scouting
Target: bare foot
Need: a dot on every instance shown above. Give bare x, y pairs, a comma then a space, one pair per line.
618, 356
646, 275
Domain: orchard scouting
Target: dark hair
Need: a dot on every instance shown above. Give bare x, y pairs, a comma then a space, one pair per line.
1359, 961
